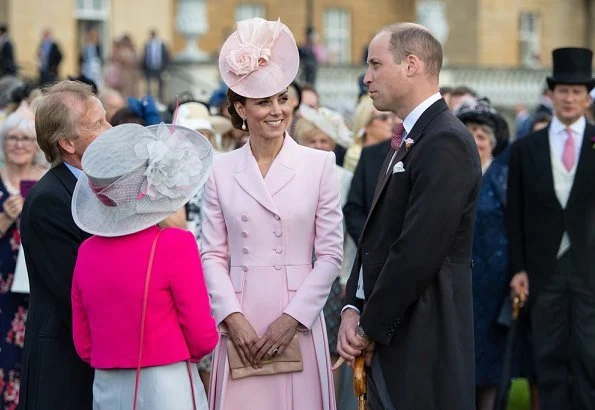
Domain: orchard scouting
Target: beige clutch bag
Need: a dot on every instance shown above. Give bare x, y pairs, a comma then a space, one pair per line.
288, 362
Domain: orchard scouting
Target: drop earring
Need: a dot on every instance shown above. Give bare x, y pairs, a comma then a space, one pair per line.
243, 124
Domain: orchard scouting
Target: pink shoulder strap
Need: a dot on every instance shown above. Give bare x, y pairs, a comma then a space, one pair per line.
142, 327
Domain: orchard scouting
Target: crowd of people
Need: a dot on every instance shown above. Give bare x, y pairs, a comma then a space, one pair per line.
232, 253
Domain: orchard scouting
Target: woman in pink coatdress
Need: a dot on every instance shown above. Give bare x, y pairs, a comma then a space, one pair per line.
268, 207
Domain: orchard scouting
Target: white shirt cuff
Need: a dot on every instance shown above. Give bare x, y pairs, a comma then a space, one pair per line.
350, 307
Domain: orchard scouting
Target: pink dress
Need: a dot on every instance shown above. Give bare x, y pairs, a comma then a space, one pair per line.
272, 226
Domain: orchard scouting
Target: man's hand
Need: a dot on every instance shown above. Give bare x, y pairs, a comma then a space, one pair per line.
519, 284
349, 343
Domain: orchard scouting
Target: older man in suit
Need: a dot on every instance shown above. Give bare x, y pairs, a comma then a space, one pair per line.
409, 300
551, 186
67, 120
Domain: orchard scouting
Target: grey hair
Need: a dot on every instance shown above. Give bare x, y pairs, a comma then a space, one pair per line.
26, 125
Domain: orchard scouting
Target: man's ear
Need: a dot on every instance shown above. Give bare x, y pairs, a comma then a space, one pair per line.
413, 64
67, 145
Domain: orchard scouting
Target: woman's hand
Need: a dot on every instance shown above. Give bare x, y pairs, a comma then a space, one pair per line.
243, 336
275, 339
13, 207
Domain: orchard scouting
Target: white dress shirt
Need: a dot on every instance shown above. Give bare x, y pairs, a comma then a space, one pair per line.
75, 171
564, 179
408, 124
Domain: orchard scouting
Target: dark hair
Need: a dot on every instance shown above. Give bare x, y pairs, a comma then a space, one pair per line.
298, 90
86, 80
446, 90
21, 93
125, 116
236, 120
462, 90
3, 29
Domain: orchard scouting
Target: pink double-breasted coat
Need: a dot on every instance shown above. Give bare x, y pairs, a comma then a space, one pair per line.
273, 225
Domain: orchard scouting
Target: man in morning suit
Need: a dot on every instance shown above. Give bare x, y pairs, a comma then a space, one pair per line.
363, 185
551, 189
409, 300
67, 120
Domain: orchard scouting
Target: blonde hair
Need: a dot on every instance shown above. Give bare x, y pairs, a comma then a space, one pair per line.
305, 129
363, 116
57, 115
410, 38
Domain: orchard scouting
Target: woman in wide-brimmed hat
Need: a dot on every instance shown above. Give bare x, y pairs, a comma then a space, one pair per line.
271, 203
138, 295
490, 252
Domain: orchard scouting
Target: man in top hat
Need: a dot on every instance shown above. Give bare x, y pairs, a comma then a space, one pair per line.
551, 189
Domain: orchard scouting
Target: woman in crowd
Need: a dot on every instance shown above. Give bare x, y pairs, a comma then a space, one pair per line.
491, 274
23, 164
268, 205
370, 127
196, 116
139, 299
321, 129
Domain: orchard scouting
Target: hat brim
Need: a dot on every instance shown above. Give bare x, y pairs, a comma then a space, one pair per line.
552, 82
266, 80
92, 216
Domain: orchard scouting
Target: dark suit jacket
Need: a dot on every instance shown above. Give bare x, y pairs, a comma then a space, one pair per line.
54, 59
164, 59
363, 185
536, 218
7, 61
415, 251
53, 376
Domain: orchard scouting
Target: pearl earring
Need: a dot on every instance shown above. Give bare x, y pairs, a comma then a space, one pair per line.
244, 124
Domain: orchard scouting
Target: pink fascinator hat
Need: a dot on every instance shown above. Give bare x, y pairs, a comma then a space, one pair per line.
259, 59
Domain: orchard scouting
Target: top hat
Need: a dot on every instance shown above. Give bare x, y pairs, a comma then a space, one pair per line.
572, 65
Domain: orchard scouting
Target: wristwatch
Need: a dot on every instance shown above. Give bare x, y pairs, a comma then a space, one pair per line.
360, 331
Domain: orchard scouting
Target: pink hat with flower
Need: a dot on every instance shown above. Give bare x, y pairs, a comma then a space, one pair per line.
259, 59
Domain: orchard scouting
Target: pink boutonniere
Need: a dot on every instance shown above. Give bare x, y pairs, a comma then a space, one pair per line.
408, 143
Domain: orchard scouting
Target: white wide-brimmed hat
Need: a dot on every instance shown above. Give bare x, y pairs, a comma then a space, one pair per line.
330, 122
134, 177
260, 59
196, 116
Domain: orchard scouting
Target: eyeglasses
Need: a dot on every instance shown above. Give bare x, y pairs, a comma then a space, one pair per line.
14, 140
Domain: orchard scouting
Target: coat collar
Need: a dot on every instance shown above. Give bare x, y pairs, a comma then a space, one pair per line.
65, 176
281, 172
542, 161
584, 171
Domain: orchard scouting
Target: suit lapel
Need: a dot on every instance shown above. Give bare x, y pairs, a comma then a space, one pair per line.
417, 132
583, 172
281, 172
65, 176
542, 162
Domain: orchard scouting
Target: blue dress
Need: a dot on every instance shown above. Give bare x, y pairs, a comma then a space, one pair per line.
13, 316
491, 278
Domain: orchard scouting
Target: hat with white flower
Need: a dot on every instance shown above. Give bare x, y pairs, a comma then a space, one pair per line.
259, 59
330, 122
134, 177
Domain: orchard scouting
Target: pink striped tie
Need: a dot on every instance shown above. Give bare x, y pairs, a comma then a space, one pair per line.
568, 154
397, 137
